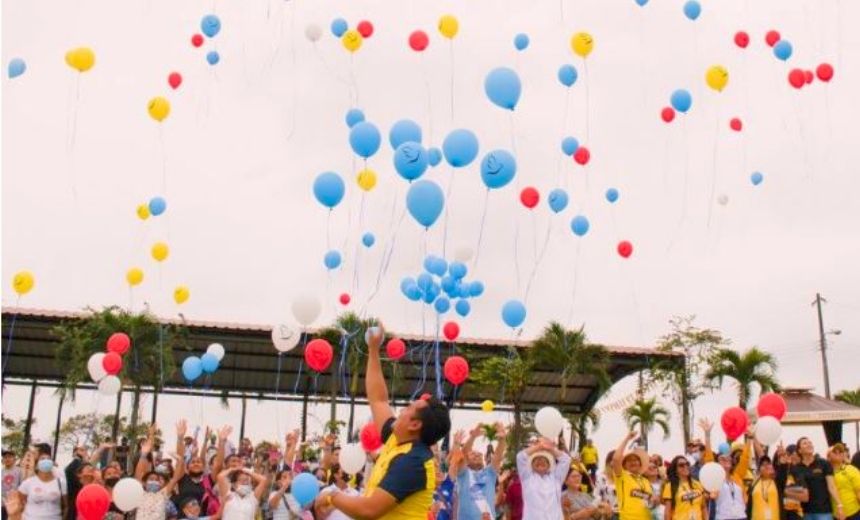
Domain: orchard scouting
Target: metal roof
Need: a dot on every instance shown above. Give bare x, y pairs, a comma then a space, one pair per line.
804, 407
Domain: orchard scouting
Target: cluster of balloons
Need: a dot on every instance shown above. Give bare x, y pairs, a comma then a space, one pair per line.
440, 277
351, 39
155, 207
210, 26
194, 367
798, 78
16, 67
23, 282
104, 367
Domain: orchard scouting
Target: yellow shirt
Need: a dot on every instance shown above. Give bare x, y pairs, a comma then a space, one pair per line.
634, 494
589, 455
765, 505
416, 505
688, 502
848, 484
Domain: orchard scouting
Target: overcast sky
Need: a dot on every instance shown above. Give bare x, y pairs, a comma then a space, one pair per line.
246, 138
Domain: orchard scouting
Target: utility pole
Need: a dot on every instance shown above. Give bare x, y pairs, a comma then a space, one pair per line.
823, 340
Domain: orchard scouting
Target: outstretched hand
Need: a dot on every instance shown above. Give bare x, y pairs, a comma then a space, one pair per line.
375, 335
706, 425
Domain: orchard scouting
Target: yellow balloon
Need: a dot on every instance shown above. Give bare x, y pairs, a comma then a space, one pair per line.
351, 40
487, 406
181, 294
134, 276
23, 282
582, 44
143, 211
449, 26
366, 179
160, 251
81, 59
159, 108
717, 77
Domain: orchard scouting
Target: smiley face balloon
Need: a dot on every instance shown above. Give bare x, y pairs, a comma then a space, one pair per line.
498, 169
582, 44
717, 77
366, 179
351, 40
158, 108
23, 282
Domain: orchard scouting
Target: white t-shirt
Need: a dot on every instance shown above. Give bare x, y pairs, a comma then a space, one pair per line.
240, 508
288, 507
44, 499
350, 492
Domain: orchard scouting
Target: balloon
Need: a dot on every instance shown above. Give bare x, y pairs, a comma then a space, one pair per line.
567, 75
796, 78
365, 29
425, 281
353, 117
771, 405
724, 448
521, 41
313, 32
209, 363
332, 259
95, 367
344, 299
557, 200
442, 305
448, 26
736, 124
368, 239
742, 39
366, 179
582, 156
157, 206
142, 211
612, 195
529, 197
403, 131
212, 57
418, 41
127, 494
712, 476
306, 309
338, 27
808, 76
93, 502
768, 430
192, 368
756, 178
17, 66
119, 343
181, 294
410, 160
318, 354
23, 282
569, 145
109, 385
395, 349
413, 292
641, 3
434, 156
425, 201
476, 289
351, 40
284, 338
364, 139
174, 80
305, 489
502, 85
824, 72
217, 350
782, 49
197, 40
549, 422
458, 270
734, 422
112, 363
723, 199
692, 9
352, 458
371, 439
625, 248
681, 100
667, 114
456, 370
463, 254
439, 266
487, 406
451, 330
513, 313
460, 147
159, 109
717, 77
329, 189
463, 307
582, 44
81, 59
210, 25
772, 37
498, 168
160, 251
579, 225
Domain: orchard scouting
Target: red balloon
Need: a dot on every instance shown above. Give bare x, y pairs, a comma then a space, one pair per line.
456, 370
197, 40
318, 354
771, 405
118, 342
625, 248
734, 422
797, 78
174, 80
582, 155
344, 299
418, 41
365, 28
395, 349
667, 114
808, 76
824, 72
736, 124
772, 37
742, 39
92, 502
529, 197
451, 330
371, 439
112, 363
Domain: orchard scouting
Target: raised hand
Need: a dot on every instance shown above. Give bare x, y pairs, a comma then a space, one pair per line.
477, 431
375, 335
706, 425
501, 431
146, 446
224, 432
459, 437
181, 428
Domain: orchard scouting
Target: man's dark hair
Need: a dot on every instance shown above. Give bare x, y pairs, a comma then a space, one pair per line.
43, 448
435, 421
8, 452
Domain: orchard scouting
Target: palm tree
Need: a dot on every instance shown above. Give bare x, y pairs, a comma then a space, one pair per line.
581, 424
852, 397
647, 413
567, 351
751, 367
508, 376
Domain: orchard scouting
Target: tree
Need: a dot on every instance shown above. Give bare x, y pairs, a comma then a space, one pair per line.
13, 434
646, 414
851, 397
567, 351
751, 367
508, 377
682, 380
91, 430
580, 424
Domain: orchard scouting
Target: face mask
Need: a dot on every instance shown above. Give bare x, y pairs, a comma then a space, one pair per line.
45, 465
153, 486
697, 456
243, 490
162, 468
111, 482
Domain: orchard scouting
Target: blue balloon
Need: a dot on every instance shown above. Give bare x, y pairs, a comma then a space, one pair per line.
514, 313
442, 305
569, 145
434, 156
756, 178
612, 195
476, 289
209, 363
413, 292
521, 41
460, 147
462, 307
557, 200
368, 239
641, 3
498, 168
353, 117
17, 66
403, 131
425, 202
503, 87
210, 25
212, 57
305, 488
448, 284
410, 160
458, 270
332, 259
428, 263
681, 100
567, 75
782, 49
440, 266
192, 368
724, 448
692, 9
157, 206
364, 138
425, 282
405, 284
329, 189
431, 293
339, 26
579, 225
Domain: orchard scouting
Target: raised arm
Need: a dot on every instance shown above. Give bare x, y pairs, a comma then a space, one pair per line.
223, 481
181, 428
455, 456
474, 433
218, 463
562, 461
706, 427
374, 381
501, 447
523, 467
261, 483
290, 448
143, 466
97, 453
744, 462
618, 456
328, 449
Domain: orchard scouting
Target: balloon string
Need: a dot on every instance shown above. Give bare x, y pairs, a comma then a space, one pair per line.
575, 282
451, 62
517, 252
447, 207
386, 261
298, 377
438, 361
559, 177
357, 256
429, 100
481, 230
328, 230
539, 259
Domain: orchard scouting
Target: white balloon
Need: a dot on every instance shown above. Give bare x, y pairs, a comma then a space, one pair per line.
285, 338
723, 199
463, 254
313, 32
109, 385
306, 309
217, 350
127, 494
549, 422
712, 476
352, 458
95, 367
768, 430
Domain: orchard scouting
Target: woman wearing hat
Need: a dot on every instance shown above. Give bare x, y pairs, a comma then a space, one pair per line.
847, 479
635, 496
542, 469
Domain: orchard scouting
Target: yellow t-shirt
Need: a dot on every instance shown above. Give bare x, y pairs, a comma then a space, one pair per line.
765, 505
848, 484
634, 494
688, 502
589, 455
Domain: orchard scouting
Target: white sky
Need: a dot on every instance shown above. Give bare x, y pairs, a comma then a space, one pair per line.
246, 138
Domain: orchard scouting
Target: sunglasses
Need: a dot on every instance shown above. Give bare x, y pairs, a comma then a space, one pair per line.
683, 464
